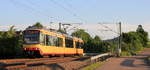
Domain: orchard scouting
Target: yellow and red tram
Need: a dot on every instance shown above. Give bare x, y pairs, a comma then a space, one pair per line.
39, 42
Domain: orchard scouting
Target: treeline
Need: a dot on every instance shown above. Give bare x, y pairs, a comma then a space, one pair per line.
10, 43
134, 41
94, 45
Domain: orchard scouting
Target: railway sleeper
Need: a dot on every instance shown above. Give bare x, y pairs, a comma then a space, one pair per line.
32, 54
12, 66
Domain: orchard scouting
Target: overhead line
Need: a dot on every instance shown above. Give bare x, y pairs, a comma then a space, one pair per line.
55, 2
38, 6
14, 2
66, 9
69, 5
108, 28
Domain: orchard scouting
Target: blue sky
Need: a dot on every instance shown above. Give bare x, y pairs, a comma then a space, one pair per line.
15, 12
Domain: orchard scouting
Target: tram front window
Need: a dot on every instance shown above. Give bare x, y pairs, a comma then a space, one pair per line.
31, 37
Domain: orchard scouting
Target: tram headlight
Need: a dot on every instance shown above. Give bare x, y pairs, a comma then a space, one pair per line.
25, 48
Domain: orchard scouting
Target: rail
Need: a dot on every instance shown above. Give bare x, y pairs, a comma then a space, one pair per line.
90, 54
100, 57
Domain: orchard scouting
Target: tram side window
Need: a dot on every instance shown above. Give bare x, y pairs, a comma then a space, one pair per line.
59, 42
79, 45
42, 39
54, 41
48, 41
69, 43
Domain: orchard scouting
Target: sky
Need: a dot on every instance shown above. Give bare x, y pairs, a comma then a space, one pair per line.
88, 12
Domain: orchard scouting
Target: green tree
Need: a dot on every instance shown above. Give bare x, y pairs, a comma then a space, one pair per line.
97, 38
140, 29
10, 43
143, 35
132, 42
92, 45
82, 34
38, 25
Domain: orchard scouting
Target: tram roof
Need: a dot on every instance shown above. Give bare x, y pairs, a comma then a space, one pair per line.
55, 31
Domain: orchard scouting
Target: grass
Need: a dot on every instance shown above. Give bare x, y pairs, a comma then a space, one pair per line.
124, 53
148, 44
93, 66
148, 60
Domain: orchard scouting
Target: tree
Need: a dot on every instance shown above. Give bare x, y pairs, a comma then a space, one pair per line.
92, 45
97, 38
140, 29
38, 25
142, 34
80, 33
10, 43
132, 42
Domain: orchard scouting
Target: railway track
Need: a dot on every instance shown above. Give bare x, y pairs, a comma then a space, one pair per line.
23, 63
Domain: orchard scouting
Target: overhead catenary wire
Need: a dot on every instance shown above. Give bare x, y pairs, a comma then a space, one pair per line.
63, 7
75, 27
68, 4
72, 8
28, 9
24, 8
67, 10
22, 5
41, 9
31, 8
36, 5
103, 34
109, 29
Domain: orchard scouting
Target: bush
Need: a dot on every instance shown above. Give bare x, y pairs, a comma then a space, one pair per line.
125, 53
10, 44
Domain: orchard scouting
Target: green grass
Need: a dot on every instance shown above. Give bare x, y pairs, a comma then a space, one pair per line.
126, 53
93, 66
123, 53
148, 58
148, 44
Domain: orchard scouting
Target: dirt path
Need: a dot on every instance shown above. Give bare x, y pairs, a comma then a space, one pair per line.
128, 63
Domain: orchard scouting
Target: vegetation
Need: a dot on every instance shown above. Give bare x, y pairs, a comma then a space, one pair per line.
38, 25
133, 42
10, 43
93, 45
93, 66
82, 34
148, 44
148, 60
